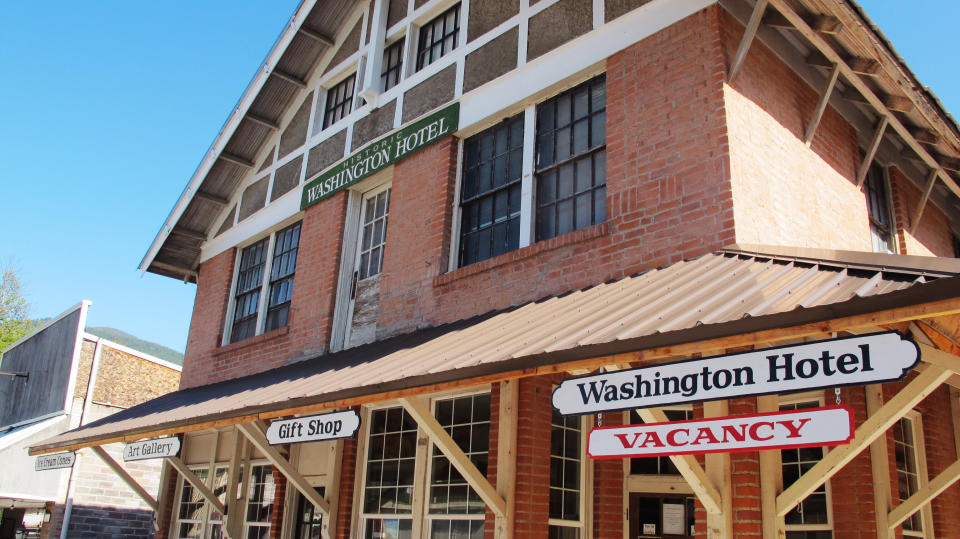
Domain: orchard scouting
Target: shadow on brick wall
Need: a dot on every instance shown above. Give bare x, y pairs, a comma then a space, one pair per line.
98, 522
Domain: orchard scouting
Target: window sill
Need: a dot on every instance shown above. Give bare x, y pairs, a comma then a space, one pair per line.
256, 339
570, 238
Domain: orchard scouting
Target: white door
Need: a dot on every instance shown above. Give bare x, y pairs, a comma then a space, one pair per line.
365, 287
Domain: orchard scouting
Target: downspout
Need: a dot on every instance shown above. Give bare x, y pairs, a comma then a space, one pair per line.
84, 417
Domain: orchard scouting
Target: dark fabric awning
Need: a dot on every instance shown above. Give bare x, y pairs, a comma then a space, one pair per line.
736, 291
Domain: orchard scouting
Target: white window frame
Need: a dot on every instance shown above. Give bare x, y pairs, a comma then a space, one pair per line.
920, 454
803, 398
528, 169
419, 514
207, 511
247, 476
262, 306
586, 479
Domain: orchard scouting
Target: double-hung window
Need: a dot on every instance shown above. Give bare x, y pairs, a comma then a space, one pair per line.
878, 208
197, 519
810, 519
392, 65
510, 197
438, 37
911, 469
268, 264
566, 477
393, 480
339, 101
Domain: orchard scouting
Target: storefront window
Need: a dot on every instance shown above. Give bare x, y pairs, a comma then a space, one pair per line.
260, 497
566, 477
388, 488
810, 519
196, 519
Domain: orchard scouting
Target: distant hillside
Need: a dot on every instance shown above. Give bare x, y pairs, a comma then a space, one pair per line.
147, 347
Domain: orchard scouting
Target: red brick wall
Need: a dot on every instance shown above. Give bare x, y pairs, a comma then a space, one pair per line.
668, 194
533, 458
609, 503
784, 192
311, 310
279, 497
851, 489
745, 478
934, 237
348, 478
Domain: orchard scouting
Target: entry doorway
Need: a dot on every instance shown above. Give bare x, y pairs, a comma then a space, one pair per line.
658, 516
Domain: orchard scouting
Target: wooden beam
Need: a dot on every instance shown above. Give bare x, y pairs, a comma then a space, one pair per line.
771, 479
174, 268
871, 429
316, 36
898, 103
197, 484
940, 358
821, 23
210, 197
923, 496
879, 464
821, 44
818, 59
925, 136
822, 105
420, 410
126, 478
689, 468
872, 151
236, 160
265, 122
949, 163
748, 34
507, 456
257, 436
292, 79
863, 66
918, 213
188, 233
234, 496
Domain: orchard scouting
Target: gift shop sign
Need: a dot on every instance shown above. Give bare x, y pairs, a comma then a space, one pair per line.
313, 428
865, 359
152, 449
381, 153
828, 426
55, 461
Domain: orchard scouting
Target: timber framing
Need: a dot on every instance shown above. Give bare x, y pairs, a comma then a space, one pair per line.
197, 484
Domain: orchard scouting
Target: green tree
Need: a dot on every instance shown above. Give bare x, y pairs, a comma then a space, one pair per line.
14, 310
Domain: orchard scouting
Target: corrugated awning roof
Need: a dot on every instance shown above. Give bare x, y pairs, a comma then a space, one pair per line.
731, 292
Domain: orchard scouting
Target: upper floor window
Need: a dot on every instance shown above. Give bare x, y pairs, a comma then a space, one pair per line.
878, 208
392, 65
563, 170
490, 196
253, 277
339, 101
571, 160
438, 37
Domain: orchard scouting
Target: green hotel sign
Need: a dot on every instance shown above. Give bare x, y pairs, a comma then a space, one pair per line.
381, 153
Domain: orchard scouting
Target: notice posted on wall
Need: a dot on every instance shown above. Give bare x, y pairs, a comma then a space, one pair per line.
673, 522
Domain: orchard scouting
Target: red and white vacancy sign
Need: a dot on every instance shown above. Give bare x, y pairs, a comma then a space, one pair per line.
832, 425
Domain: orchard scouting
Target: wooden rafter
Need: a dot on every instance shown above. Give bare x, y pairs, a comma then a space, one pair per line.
210, 197
748, 34
420, 411
188, 233
256, 434
197, 484
918, 213
265, 122
826, 24
819, 43
126, 478
822, 105
875, 426
316, 36
292, 79
236, 160
872, 151
923, 496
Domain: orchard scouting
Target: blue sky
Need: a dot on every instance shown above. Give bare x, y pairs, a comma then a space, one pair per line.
109, 106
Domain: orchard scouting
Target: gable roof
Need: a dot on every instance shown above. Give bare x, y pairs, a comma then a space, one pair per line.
282, 81
733, 292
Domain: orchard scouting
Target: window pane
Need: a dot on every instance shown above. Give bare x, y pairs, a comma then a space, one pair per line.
467, 420
438, 37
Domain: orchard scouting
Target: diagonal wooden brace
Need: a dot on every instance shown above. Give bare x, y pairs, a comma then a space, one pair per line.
913, 504
869, 430
418, 408
197, 484
126, 477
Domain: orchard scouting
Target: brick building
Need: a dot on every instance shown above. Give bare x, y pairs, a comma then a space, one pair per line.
435, 215
68, 378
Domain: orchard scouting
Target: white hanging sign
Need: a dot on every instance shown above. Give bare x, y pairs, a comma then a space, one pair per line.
864, 359
313, 428
55, 461
832, 425
152, 449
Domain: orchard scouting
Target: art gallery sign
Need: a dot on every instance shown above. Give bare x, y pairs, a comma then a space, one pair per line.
865, 359
818, 427
313, 428
381, 153
151, 449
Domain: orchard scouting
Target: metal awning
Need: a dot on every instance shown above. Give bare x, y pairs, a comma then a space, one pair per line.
733, 297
